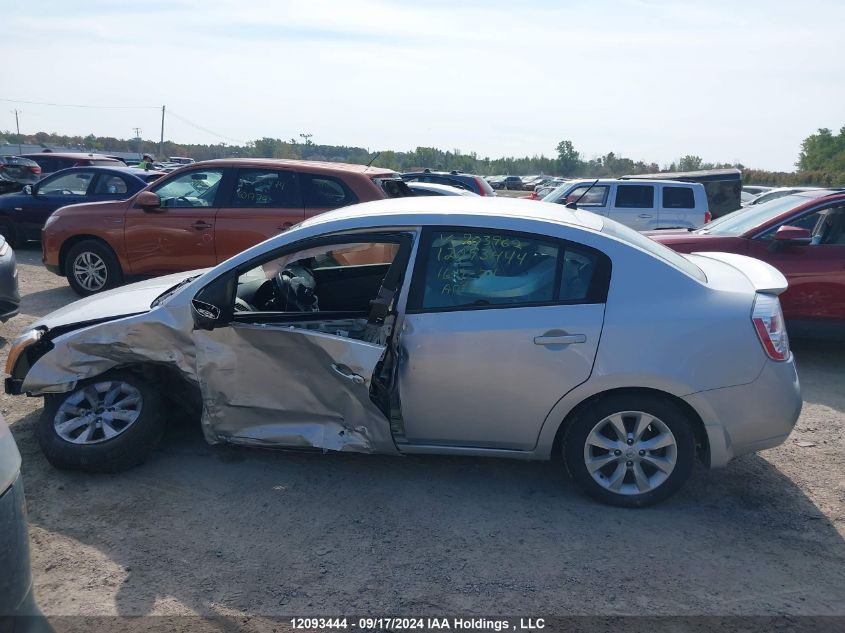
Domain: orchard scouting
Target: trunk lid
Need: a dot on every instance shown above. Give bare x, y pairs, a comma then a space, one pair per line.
763, 277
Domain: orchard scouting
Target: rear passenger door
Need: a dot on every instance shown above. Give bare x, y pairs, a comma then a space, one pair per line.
633, 205
260, 203
498, 327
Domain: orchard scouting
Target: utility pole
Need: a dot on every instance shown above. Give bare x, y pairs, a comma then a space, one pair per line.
18, 126
138, 138
307, 138
161, 141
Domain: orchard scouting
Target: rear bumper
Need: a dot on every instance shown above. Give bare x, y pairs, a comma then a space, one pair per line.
752, 417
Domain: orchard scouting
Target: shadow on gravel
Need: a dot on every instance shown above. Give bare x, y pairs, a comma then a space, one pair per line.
276, 533
821, 370
42, 302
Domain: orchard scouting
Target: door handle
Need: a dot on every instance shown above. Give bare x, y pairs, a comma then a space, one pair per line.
343, 370
562, 339
199, 225
645, 215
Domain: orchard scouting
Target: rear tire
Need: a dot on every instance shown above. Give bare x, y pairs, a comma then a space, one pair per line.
84, 430
630, 450
9, 232
92, 267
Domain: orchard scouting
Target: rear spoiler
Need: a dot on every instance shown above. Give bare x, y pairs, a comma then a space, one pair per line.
764, 277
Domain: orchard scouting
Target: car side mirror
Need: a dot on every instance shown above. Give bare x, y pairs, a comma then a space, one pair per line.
148, 201
29, 190
206, 316
214, 305
792, 235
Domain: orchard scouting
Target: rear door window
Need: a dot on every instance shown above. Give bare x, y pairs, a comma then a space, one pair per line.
634, 196
111, 184
678, 198
266, 188
323, 191
460, 269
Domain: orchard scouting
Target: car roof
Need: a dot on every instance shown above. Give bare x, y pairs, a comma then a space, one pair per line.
76, 155
638, 181
435, 186
108, 168
313, 165
427, 210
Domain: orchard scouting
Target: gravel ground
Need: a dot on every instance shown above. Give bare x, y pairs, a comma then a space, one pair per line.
227, 531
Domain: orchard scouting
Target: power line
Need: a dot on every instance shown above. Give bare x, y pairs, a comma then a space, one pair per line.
203, 129
78, 105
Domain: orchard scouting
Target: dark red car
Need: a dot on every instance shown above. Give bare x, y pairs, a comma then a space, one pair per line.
803, 236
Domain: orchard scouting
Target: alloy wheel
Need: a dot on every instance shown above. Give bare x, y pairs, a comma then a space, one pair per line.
90, 271
98, 412
630, 452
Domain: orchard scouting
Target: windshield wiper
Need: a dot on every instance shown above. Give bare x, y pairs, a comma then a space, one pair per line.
167, 293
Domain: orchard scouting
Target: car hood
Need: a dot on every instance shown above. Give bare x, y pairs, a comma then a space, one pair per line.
103, 206
113, 304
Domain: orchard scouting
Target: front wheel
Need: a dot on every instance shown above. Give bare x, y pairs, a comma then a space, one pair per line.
106, 424
92, 267
630, 450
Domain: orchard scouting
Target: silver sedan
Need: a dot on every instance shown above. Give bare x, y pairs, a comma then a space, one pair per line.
459, 325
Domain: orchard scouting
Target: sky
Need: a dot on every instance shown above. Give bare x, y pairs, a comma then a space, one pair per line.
728, 81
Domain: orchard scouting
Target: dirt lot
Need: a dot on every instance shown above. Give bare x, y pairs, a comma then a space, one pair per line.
202, 530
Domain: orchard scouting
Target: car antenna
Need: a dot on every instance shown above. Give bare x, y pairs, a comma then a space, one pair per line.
372, 160
574, 205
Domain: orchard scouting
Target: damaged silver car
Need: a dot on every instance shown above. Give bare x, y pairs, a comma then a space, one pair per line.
461, 326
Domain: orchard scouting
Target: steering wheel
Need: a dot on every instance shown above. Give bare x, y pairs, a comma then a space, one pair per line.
295, 288
188, 203
68, 192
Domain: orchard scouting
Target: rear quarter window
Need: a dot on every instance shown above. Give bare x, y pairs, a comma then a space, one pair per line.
678, 198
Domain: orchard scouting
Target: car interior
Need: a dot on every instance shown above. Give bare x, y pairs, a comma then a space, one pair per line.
326, 288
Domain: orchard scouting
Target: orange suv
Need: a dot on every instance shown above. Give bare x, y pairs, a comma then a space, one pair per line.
199, 216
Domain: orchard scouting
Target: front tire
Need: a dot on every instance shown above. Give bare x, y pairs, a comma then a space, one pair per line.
630, 450
106, 424
92, 267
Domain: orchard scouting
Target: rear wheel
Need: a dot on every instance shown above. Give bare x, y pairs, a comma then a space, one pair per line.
630, 450
91, 267
9, 232
106, 424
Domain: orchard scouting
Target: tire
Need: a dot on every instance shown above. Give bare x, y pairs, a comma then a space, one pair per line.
9, 232
92, 267
644, 480
138, 429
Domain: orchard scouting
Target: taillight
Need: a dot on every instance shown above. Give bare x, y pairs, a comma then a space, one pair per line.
482, 190
768, 321
707, 216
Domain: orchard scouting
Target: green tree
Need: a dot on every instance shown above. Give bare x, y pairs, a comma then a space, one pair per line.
568, 159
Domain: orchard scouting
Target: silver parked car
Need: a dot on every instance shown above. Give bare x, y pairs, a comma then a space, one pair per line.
459, 325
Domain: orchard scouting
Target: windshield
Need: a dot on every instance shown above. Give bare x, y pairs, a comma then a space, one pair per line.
744, 220
164, 296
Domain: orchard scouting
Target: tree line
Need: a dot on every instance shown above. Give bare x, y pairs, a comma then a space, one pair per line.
821, 160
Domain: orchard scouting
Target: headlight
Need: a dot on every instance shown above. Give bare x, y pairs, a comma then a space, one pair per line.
50, 220
4, 249
19, 346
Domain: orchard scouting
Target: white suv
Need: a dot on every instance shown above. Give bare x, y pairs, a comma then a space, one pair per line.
641, 204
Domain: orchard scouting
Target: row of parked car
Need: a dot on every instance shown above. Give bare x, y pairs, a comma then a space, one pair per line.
102, 224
